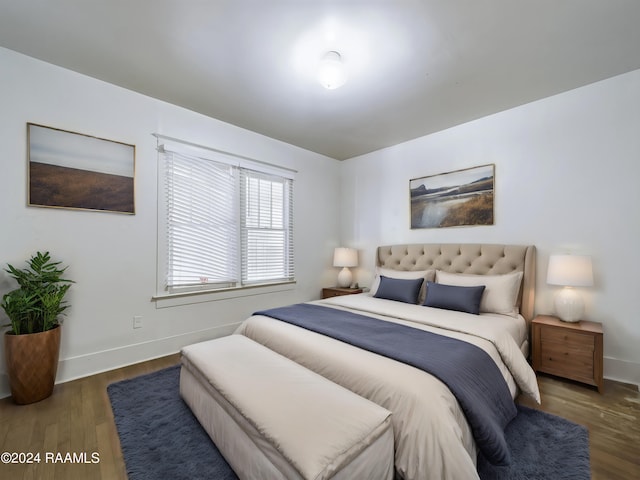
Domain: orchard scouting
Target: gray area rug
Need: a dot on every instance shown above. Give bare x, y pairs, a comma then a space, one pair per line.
161, 439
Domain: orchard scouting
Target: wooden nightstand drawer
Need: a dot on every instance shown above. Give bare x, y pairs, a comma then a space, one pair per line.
566, 363
575, 340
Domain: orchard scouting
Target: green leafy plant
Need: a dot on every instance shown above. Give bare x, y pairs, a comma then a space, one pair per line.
37, 304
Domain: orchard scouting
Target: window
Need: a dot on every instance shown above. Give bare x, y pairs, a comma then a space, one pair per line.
227, 222
266, 236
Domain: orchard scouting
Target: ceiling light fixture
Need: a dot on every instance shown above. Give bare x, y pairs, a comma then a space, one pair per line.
331, 73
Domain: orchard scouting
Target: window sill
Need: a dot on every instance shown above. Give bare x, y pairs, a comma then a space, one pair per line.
202, 296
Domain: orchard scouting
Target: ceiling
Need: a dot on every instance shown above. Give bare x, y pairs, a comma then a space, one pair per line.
414, 66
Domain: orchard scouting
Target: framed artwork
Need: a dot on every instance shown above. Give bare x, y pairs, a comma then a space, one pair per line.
453, 199
72, 170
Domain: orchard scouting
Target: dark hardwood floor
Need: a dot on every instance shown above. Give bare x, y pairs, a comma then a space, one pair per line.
78, 419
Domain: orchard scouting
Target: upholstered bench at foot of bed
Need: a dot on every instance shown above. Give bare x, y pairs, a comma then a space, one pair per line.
274, 419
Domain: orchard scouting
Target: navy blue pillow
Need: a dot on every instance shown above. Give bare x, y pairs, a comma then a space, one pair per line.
450, 297
399, 289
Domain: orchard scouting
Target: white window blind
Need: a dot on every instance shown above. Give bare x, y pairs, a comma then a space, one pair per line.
226, 226
202, 222
266, 233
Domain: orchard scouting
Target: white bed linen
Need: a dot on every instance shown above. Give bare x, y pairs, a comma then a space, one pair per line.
496, 334
432, 436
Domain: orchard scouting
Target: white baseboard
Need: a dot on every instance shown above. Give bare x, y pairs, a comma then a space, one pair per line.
90, 364
622, 371
85, 365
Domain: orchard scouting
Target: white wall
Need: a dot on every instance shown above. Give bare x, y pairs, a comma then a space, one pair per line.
566, 179
112, 257
567, 173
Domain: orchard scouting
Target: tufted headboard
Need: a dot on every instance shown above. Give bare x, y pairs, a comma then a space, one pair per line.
478, 259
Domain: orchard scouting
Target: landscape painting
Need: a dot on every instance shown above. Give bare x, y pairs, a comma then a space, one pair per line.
453, 199
71, 170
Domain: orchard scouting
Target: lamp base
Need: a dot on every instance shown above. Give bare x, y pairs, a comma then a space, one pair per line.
344, 278
569, 305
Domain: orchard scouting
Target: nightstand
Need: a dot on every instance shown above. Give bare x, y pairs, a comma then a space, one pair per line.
337, 291
569, 350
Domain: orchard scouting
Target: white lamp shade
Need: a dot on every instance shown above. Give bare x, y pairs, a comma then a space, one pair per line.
570, 271
345, 257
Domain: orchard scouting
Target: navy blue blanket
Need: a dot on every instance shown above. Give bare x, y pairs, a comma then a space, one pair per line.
467, 370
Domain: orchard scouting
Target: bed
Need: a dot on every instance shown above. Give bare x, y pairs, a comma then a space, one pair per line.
433, 437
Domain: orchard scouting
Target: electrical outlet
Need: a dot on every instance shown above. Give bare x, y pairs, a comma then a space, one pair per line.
137, 321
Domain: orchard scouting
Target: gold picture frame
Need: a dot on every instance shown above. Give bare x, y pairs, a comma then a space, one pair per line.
453, 199
78, 171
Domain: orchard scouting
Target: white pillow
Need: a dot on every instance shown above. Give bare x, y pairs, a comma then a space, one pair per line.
500, 293
427, 275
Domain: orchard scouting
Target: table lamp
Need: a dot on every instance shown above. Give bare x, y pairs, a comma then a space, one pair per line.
569, 271
345, 258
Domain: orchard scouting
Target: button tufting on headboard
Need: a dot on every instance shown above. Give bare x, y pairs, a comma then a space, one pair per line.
478, 259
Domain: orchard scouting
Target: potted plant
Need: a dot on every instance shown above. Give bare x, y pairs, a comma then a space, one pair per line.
32, 344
